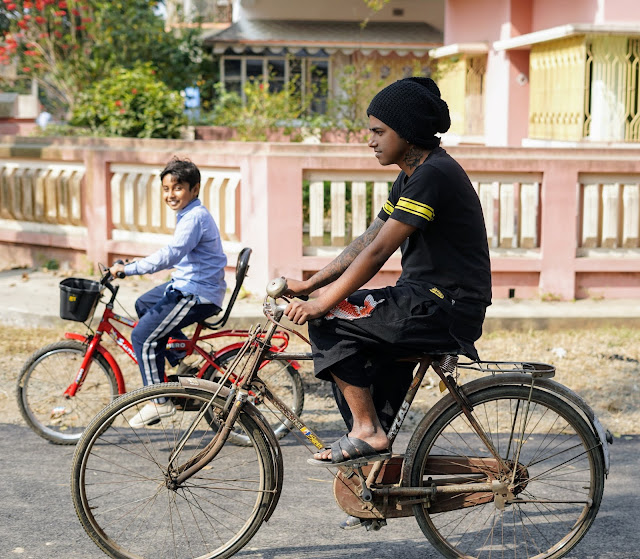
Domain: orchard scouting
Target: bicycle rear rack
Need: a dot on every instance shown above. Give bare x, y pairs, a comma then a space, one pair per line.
536, 370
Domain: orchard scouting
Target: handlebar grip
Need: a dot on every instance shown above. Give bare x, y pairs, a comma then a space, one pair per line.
121, 275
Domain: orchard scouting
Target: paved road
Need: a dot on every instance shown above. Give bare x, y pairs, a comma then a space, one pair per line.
37, 520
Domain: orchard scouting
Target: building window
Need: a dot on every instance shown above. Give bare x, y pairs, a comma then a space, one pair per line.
585, 87
310, 75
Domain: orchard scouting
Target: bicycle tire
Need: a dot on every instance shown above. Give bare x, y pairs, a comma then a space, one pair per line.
283, 380
44, 377
558, 487
120, 481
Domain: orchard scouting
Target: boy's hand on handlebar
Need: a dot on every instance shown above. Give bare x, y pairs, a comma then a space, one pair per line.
117, 270
299, 312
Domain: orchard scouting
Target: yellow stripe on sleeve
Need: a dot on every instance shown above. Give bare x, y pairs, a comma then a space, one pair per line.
416, 208
388, 207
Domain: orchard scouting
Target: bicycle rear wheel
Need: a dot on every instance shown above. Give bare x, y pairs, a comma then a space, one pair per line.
283, 380
558, 482
41, 384
124, 491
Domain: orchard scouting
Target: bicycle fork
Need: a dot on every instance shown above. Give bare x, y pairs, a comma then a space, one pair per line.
71, 390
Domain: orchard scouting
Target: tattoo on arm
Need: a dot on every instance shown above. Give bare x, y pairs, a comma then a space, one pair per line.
334, 270
413, 156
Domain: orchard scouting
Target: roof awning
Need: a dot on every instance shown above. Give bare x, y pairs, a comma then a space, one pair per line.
287, 36
564, 31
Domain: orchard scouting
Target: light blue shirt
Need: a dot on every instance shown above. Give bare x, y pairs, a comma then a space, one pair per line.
196, 254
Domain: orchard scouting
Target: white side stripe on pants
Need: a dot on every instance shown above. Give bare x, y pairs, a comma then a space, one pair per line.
149, 347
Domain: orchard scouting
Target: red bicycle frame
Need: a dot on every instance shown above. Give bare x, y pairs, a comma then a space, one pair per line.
189, 346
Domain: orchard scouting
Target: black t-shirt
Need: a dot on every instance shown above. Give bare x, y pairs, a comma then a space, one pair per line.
449, 250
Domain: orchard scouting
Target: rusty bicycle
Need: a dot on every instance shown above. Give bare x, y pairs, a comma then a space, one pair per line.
508, 465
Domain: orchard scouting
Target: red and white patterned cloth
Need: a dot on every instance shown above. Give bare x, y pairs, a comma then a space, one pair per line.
349, 311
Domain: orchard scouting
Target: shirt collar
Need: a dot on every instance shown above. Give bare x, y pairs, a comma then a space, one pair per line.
195, 202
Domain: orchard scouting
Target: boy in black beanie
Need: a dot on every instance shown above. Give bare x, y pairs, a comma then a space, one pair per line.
433, 214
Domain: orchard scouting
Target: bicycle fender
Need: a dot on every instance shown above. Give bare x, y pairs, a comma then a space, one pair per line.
106, 354
267, 432
227, 349
501, 380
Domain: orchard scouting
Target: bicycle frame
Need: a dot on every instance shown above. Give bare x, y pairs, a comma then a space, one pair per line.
94, 345
189, 346
443, 365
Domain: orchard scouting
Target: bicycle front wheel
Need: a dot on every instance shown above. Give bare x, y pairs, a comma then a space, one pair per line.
124, 485
41, 391
554, 493
283, 380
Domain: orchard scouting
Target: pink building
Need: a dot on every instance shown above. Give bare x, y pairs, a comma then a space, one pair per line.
542, 73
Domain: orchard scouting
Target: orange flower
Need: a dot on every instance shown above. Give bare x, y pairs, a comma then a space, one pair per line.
118, 103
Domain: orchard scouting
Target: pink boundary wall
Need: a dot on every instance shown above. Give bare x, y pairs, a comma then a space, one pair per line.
270, 208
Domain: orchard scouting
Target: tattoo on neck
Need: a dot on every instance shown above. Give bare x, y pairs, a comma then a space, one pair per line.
413, 156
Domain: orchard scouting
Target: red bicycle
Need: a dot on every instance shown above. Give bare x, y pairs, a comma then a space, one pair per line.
63, 385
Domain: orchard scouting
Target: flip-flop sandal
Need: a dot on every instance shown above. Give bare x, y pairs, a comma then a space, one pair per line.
358, 452
351, 523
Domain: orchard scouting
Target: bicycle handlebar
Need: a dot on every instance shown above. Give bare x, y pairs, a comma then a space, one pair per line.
277, 288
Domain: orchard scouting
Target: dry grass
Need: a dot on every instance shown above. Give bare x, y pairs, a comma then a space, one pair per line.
601, 364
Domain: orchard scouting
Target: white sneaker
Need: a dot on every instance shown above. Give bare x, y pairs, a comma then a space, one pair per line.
151, 414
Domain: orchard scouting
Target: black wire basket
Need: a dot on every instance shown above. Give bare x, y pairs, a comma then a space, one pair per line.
78, 298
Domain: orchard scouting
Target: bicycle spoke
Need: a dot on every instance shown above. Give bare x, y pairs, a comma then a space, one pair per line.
135, 504
556, 482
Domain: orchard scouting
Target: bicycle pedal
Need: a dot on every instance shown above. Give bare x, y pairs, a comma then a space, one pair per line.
374, 525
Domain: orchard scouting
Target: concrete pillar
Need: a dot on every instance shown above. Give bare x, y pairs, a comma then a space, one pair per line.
558, 230
271, 202
96, 207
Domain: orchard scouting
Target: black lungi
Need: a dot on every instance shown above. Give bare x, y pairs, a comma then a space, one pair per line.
360, 343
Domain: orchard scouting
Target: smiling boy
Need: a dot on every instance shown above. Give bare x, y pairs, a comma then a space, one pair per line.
197, 287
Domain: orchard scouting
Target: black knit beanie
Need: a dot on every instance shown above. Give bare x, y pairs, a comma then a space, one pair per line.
412, 107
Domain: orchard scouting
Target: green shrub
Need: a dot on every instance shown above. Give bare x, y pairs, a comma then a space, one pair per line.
131, 103
263, 111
